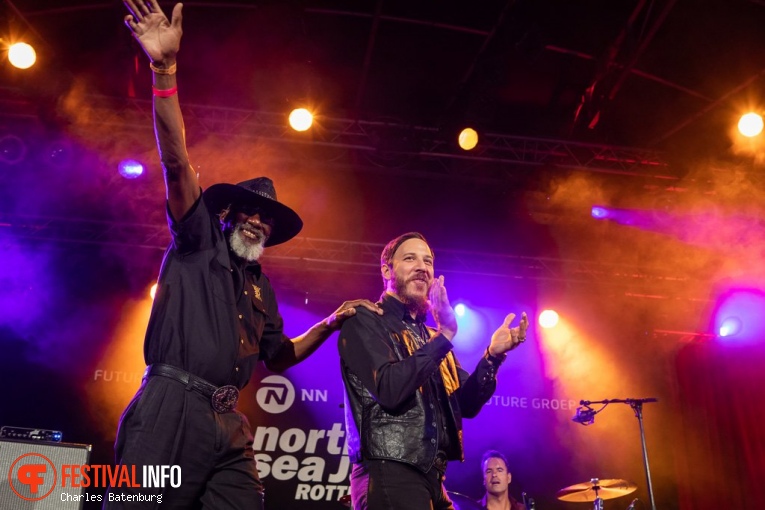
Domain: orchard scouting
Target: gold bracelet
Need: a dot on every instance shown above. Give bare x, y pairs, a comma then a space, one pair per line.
164, 70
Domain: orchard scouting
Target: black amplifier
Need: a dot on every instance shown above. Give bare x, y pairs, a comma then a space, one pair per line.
26, 434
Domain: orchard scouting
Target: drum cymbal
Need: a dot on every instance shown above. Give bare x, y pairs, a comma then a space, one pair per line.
462, 502
588, 491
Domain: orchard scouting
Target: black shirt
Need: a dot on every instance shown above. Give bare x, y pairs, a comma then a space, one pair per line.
212, 316
367, 355
365, 351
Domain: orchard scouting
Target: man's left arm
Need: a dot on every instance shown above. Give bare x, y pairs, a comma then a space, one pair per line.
302, 346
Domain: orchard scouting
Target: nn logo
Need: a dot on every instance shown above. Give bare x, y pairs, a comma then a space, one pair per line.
32, 476
276, 394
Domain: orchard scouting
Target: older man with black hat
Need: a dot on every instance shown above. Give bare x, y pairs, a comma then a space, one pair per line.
214, 315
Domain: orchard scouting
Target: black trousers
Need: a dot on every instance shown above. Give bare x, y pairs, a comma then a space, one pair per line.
391, 485
168, 424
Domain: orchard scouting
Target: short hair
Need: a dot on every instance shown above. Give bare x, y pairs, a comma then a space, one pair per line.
386, 258
494, 454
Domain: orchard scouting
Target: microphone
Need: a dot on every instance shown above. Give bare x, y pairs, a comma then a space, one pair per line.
584, 416
632, 505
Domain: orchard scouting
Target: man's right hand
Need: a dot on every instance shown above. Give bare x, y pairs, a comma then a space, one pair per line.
159, 38
442, 310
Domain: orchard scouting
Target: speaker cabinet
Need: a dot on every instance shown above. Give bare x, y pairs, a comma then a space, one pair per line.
30, 475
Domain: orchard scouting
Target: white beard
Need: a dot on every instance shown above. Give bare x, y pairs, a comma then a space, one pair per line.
245, 247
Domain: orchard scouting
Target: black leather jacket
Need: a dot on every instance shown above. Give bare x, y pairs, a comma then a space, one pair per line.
387, 413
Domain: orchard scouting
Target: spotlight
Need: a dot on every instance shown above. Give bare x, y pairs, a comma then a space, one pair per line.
130, 169
153, 291
548, 319
730, 326
599, 213
750, 124
739, 317
468, 139
301, 119
12, 149
459, 310
21, 55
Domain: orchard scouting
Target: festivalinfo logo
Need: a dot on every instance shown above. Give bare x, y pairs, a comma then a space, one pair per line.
34, 477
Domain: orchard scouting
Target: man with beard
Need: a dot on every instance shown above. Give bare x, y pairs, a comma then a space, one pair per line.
496, 479
214, 315
406, 394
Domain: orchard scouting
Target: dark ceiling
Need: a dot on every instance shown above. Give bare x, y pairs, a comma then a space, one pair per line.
556, 86
666, 74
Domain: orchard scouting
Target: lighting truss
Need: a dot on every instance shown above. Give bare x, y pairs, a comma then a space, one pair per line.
389, 144
307, 254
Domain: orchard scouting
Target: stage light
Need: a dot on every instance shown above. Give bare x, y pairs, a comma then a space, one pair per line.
301, 119
153, 291
468, 139
599, 213
548, 319
21, 55
750, 124
459, 310
739, 317
730, 326
12, 149
130, 169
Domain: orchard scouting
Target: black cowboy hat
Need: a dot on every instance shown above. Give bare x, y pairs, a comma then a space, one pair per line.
257, 192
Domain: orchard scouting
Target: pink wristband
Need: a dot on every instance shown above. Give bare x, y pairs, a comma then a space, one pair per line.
164, 93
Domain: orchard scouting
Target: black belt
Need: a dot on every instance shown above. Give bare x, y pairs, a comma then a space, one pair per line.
223, 399
440, 462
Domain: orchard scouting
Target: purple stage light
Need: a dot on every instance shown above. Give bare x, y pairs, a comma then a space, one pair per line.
599, 213
730, 326
130, 169
740, 316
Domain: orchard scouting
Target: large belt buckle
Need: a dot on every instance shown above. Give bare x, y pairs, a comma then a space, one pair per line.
224, 399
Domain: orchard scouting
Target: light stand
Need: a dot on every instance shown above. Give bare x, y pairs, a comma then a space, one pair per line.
587, 417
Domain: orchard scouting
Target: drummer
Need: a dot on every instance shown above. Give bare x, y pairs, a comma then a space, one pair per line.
496, 479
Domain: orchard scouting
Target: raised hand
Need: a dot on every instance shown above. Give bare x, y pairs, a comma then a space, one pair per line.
507, 338
442, 311
159, 38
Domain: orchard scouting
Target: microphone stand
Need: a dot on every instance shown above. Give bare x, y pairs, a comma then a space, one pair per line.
637, 406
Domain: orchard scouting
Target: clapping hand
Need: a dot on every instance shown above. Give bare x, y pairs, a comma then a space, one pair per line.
442, 311
507, 338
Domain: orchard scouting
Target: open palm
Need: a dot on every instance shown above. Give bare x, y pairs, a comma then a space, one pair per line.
159, 37
507, 338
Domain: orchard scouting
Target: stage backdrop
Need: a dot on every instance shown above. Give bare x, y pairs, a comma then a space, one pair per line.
77, 373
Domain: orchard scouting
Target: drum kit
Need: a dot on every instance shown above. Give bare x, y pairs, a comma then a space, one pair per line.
595, 491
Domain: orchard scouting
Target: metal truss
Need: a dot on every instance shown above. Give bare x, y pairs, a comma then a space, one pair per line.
387, 144
305, 254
